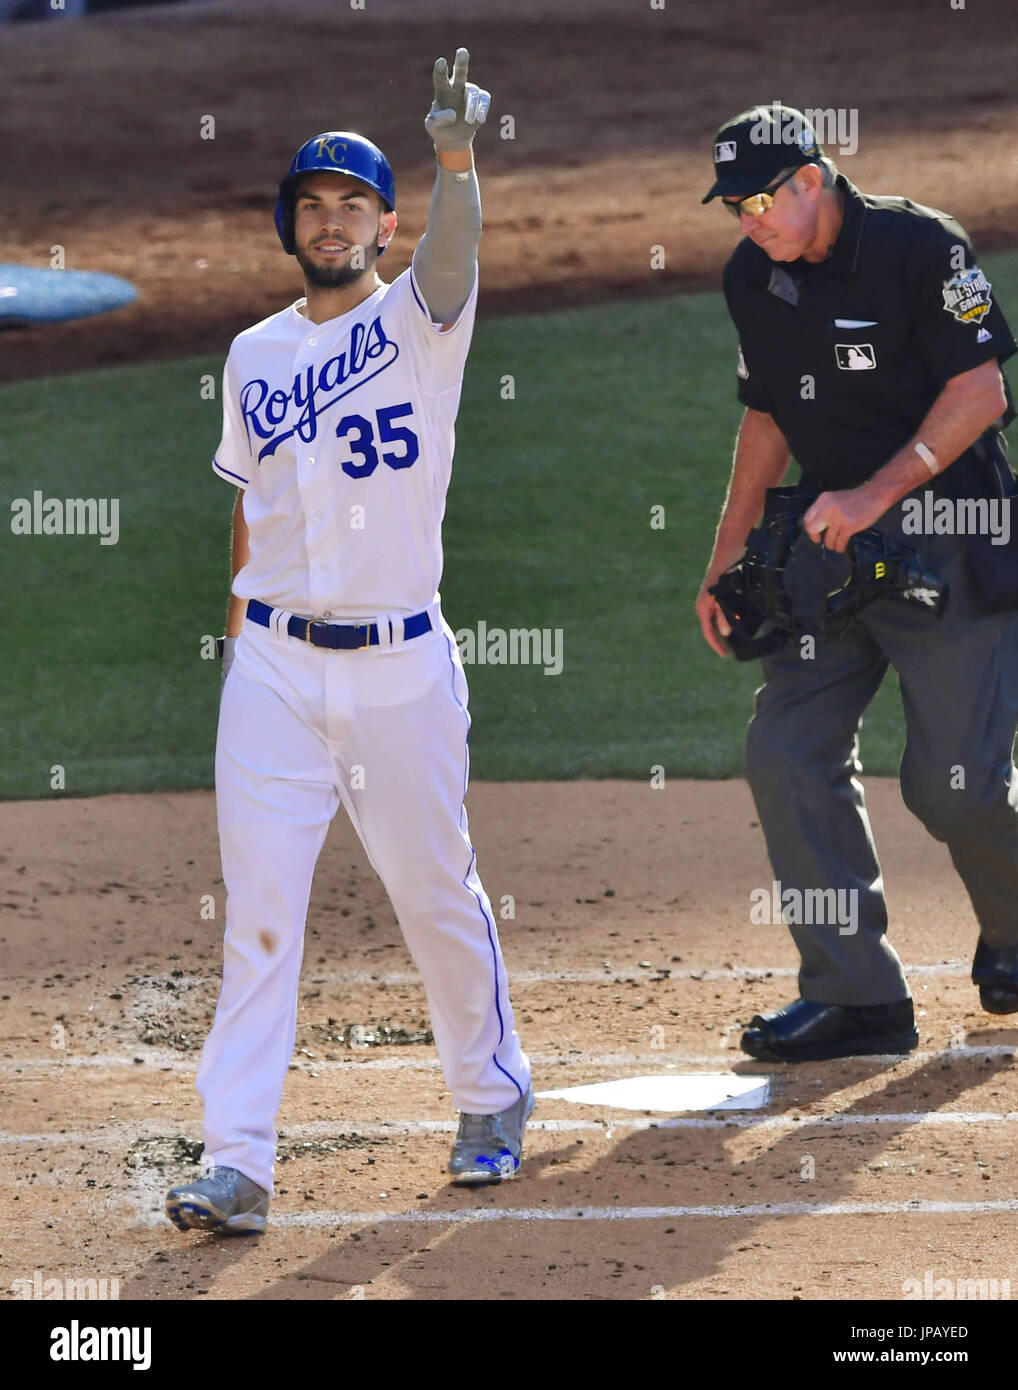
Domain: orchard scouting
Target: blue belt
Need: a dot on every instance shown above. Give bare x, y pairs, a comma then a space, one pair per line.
339, 638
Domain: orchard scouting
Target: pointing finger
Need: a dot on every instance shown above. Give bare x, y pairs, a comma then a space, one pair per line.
443, 87
459, 69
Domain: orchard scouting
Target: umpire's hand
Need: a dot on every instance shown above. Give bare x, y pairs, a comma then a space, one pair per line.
711, 615
837, 516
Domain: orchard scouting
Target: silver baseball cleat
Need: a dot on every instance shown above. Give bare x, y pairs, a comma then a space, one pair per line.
488, 1148
222, 1200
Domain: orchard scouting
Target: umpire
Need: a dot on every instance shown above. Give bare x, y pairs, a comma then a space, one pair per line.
870, 346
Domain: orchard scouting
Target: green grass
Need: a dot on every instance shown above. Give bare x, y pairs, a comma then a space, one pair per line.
617, 409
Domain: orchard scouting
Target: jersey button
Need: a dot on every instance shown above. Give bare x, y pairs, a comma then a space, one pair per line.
312, 342
327, 613
311, 463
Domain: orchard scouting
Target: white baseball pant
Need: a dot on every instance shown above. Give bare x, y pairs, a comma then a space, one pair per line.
384, 731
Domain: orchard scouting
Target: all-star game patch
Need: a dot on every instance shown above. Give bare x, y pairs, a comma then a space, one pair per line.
967, 295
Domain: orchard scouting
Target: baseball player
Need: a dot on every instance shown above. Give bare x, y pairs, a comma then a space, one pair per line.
344, 683
870, 352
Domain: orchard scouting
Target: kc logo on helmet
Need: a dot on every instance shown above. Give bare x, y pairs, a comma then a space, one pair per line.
724, 151
328, 148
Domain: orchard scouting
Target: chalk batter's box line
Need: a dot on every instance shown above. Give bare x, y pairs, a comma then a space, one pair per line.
317, 1129
172, 1062
660, 1061
313, 1219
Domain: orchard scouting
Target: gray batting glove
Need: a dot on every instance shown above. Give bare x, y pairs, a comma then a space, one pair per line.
229, 644
458, 108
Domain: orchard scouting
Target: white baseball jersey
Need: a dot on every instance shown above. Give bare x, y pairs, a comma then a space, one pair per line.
341, 435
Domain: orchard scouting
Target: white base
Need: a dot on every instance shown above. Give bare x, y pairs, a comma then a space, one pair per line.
672, 1094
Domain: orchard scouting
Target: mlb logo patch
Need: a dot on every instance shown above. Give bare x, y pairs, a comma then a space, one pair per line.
855, 357
725, 151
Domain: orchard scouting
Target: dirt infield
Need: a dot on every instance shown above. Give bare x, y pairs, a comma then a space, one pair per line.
614, 112
631, 953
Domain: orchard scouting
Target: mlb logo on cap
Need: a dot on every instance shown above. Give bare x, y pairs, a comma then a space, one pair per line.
725, 150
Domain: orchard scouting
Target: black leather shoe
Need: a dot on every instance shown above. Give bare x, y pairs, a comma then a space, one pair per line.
809, 1032
996, 974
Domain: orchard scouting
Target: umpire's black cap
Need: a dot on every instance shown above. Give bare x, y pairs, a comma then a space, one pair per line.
752, 149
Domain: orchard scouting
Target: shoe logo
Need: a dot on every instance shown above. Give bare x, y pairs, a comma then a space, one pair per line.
503, 1163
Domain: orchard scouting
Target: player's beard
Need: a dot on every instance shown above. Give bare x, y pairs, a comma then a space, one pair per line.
335, 277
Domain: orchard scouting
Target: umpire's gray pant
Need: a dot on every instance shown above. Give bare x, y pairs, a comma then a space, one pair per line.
958, 676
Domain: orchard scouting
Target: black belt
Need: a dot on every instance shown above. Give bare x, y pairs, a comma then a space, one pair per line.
348, 638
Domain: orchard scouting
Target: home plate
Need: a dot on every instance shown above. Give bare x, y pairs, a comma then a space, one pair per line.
671, 1094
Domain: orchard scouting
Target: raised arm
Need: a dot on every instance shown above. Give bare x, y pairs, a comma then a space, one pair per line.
445, 262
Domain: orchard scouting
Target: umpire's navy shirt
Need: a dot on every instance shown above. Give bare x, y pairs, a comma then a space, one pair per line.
847, 355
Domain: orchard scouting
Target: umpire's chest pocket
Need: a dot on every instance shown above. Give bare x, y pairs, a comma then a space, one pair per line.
863, 352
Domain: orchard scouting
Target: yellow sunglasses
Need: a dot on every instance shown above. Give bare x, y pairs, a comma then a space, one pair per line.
758, 203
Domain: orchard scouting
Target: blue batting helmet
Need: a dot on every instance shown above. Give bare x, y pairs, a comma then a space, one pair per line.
341, 152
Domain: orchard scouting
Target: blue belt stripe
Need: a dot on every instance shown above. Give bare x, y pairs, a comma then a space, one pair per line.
337, 636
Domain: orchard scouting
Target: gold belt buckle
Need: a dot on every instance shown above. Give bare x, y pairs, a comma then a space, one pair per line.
367, 636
